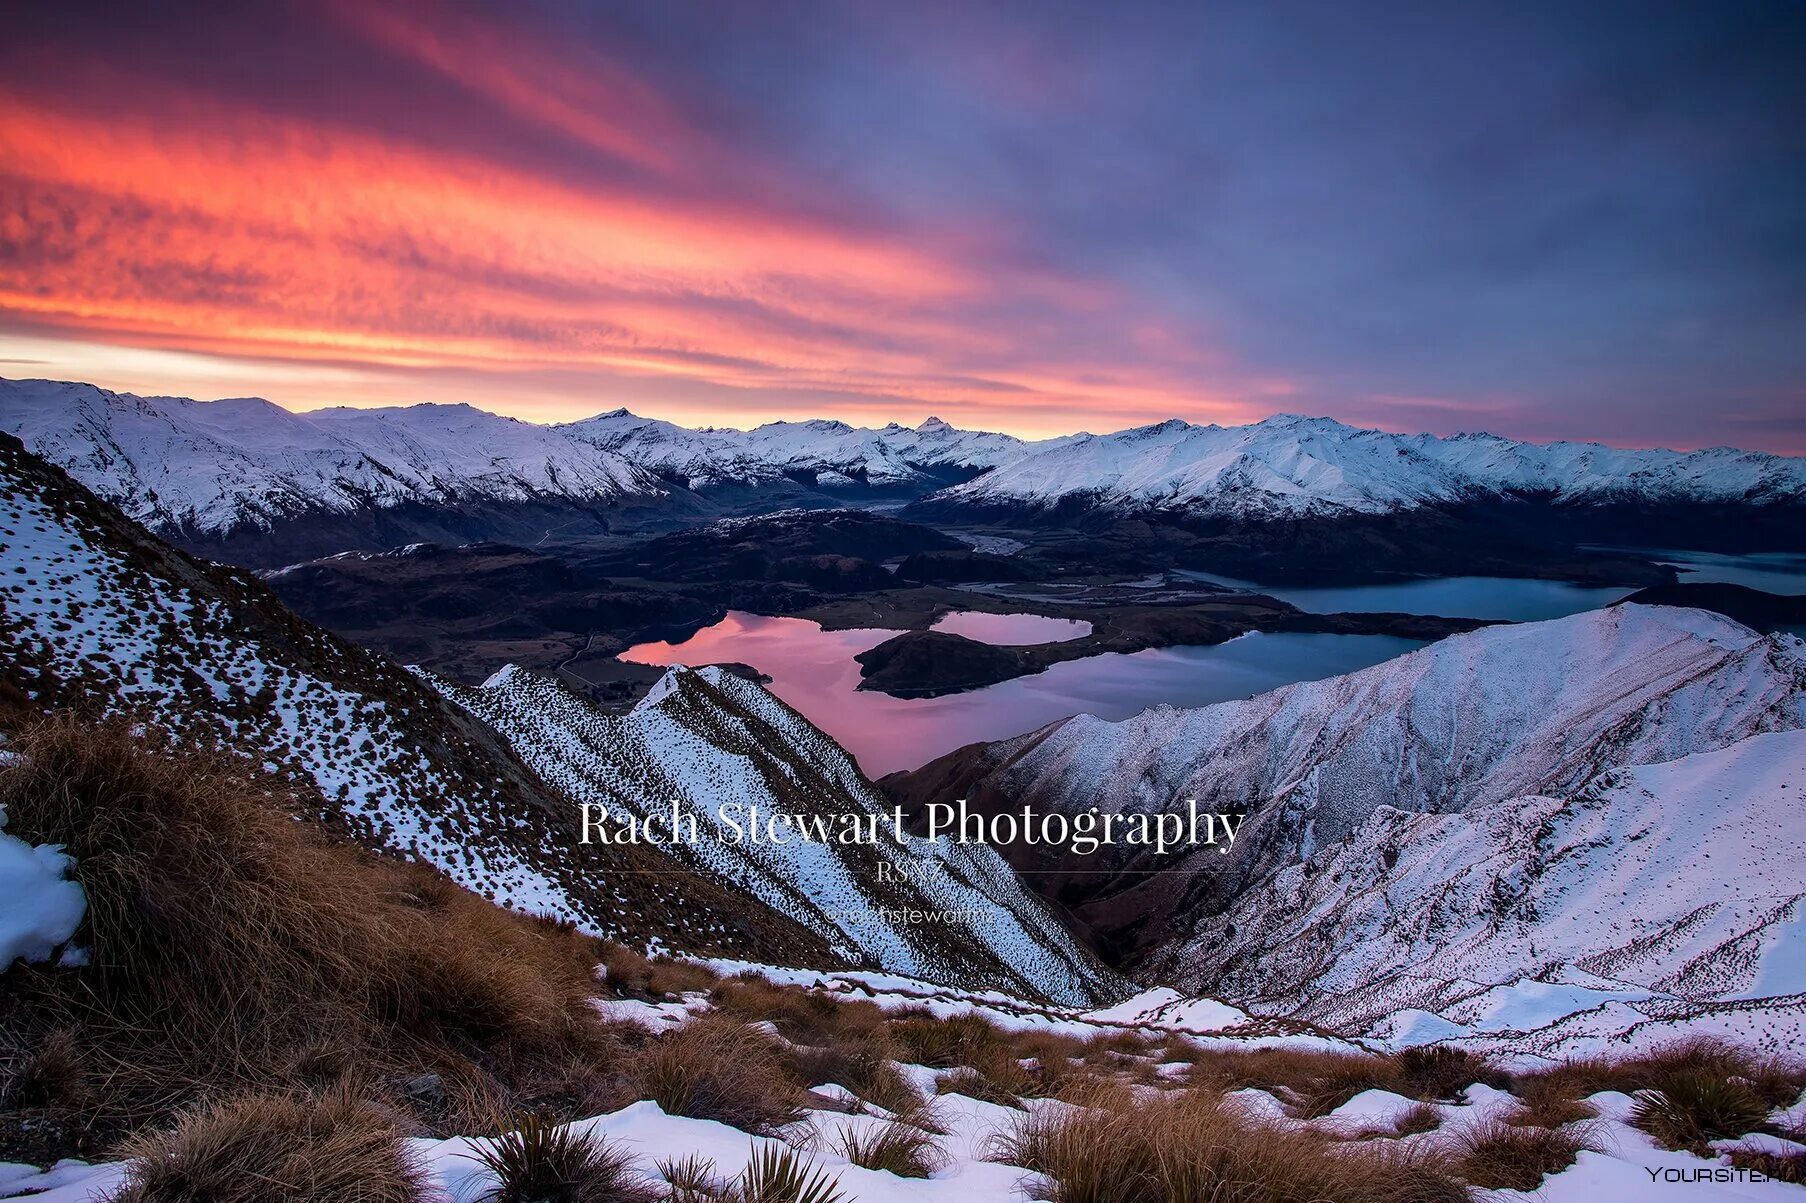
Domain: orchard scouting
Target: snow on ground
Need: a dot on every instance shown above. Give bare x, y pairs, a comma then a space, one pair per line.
1617, 1167
39, 908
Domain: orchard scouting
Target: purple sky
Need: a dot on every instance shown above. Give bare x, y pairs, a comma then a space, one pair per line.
1544, 220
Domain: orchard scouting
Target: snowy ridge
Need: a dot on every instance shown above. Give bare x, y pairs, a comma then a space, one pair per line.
834, 454
1290, 466
1494, 924
1470, 726
215, 466
707, 737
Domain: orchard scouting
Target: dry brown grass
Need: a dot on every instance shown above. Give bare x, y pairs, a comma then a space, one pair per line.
1502, 1156
861, 1063
235, 948
716, 1068
898, 1148
631, 974
263, 1147
1420, 1118
1192, 1146
1783, 1167
1312, 1083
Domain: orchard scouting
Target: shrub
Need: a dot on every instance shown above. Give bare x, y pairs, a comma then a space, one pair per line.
1181, 1148
538, 1161
902, 1149
1504, 1156
261, 1147
1694, 1107
714, 1068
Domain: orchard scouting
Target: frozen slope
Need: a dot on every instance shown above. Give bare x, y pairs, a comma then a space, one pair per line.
707, 737
1656, 892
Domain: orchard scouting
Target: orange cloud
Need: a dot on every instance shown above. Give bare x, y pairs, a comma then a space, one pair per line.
192, 225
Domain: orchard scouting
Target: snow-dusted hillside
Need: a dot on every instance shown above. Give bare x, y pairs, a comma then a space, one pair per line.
210, 467
1471, 721
706, 737
1289, 466
96, 613
830, 454
1660, 900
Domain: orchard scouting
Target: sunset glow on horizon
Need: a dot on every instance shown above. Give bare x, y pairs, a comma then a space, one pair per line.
725, 217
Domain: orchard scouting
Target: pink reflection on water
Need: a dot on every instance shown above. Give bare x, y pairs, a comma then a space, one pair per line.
1012, 630
813, 670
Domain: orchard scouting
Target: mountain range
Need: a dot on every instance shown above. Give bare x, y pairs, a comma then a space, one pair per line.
251, 482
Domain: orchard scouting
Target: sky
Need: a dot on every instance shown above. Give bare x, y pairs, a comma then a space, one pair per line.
1546, 220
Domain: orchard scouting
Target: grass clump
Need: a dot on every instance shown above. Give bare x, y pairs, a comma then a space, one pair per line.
782, 1175
898, 1148
1504, 1156
1420, 1118
1694, 1107
1192, 1146
1437, 1072
864, 1065
263, 1147
538, 1161
1782, 1167
715, 1068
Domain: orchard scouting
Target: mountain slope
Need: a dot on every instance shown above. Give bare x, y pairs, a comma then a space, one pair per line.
707, 737
96, 614
1504, 712
207, 471
1291, 467
1670, 884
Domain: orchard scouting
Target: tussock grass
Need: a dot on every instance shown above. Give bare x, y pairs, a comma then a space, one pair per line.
1420, 1118
716, 1068
780, 1175
1695, 1106
264, 1147
898, 1148
1180, 1148
1435, 1072
1783, 1167
632, 974
537, 1161
862, 1064
234, 948
1504, 1156
1313, 1083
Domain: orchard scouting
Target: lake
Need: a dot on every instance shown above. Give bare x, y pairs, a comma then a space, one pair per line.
814, 671
1011, 630
1508, 598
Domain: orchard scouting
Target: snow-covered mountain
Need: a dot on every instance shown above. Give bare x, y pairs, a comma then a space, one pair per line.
210, 467
705, 737
1290, 467
1474, 721
1657, 893
96, 614
826, 454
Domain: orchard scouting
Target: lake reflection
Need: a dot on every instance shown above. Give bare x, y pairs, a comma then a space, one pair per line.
1448, 596
813, 670
1011, 630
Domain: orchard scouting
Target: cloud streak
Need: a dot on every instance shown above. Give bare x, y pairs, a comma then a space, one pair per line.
733, 216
